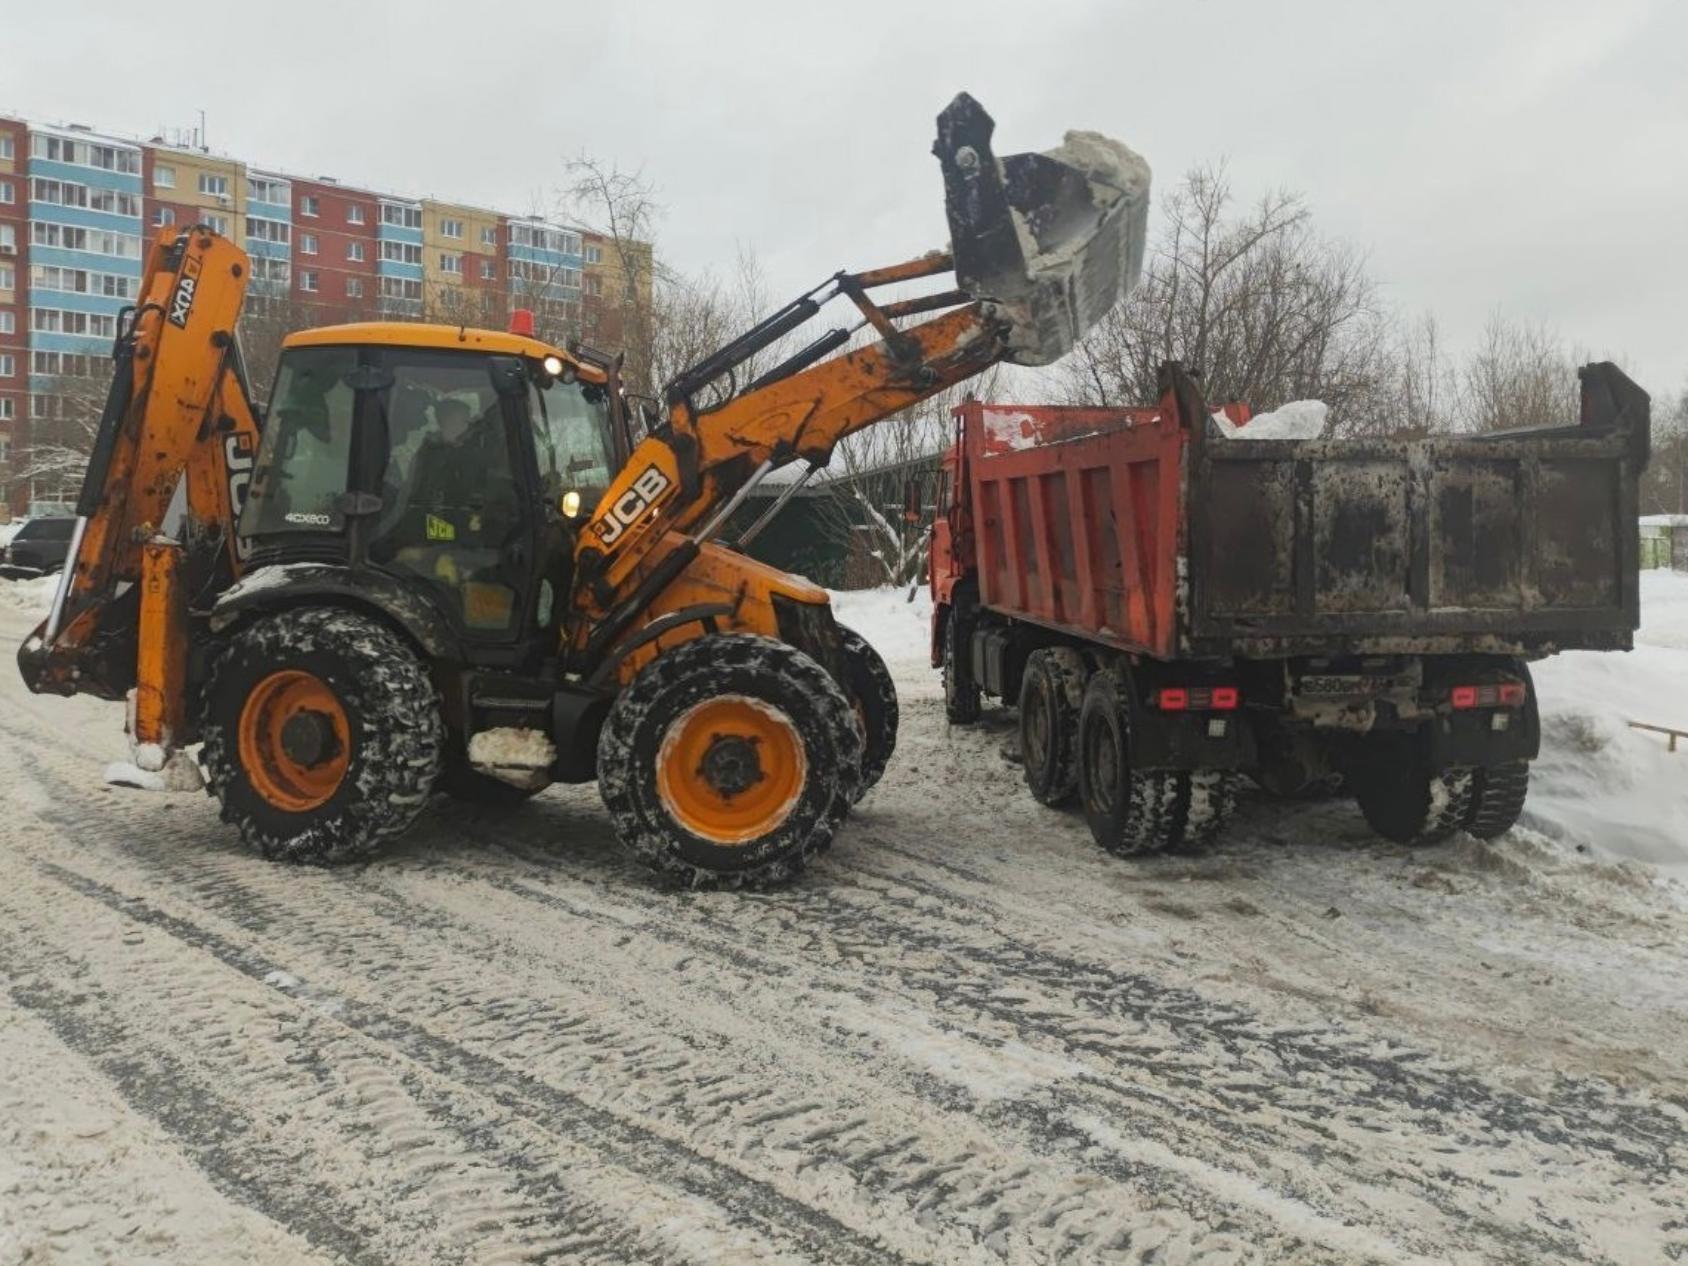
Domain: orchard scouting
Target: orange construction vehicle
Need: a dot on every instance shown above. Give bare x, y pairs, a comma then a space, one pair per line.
438, 560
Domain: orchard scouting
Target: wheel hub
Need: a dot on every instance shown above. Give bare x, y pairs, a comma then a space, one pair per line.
307, 738
731, 764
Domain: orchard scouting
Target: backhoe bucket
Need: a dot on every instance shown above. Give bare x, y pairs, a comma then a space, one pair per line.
1051, 241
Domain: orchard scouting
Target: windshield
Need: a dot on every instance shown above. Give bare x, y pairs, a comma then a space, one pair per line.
302, 460
571, 441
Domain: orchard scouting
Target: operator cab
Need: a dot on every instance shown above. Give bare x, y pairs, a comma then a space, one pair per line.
461, 459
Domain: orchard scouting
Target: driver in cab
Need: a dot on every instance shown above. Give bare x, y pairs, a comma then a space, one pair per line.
464, 466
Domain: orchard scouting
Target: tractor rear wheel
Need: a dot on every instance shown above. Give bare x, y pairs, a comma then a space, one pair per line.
873, 698
729, 760
322, 735
1051, 694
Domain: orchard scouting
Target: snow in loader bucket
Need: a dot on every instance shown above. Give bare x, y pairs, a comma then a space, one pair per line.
1052, 240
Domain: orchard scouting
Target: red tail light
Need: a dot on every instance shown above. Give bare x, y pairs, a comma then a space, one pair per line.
1506, 694
1226, 698
1198, 698
1174, 699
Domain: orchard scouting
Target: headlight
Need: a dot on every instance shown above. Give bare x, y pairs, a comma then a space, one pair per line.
571, 504
553, 365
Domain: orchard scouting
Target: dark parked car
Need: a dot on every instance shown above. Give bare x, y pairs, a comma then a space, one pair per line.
38, 547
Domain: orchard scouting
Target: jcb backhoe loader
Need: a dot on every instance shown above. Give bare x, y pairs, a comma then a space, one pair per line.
439, 562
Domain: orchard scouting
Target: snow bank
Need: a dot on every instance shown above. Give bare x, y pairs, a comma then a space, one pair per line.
1616, 792
32, 596
1297, 420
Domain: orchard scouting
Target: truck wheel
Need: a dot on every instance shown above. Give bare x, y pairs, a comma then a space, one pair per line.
1051, 694
322, 735
1213, 795
731, 759
961, 692
1404, 802
1129, 811
873, 698
1497, 798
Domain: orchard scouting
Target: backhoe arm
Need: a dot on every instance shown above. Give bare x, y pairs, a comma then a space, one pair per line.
156, 516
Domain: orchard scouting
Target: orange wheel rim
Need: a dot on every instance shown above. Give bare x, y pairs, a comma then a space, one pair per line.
295, 743
731, 769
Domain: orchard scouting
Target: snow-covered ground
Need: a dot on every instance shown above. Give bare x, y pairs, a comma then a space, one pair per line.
965, 1036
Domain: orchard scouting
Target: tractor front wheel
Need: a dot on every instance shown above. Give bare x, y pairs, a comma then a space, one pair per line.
729, 760
322, 735
873, 696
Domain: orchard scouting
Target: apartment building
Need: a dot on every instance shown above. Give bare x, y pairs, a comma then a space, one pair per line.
79, 208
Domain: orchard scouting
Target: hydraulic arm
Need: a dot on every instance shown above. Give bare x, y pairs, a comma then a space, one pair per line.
166, 477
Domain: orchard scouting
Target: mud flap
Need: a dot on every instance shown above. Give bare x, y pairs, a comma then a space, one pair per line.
1051, 241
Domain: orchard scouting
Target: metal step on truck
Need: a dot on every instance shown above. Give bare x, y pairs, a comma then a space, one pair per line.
1172, 604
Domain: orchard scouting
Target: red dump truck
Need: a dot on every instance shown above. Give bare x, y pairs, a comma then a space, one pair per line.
1172, 604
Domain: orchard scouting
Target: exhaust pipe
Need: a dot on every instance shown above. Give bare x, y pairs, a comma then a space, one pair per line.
1049, 242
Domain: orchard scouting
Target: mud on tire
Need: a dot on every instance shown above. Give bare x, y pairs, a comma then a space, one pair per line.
873, 696
1129, 811
695, 761
393, 734
1051, 694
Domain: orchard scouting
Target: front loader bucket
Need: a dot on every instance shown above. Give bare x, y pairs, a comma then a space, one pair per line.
1051, 241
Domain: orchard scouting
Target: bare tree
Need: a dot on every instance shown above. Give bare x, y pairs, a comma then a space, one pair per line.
1519, 375
1265, 307
1664, 488
622, 208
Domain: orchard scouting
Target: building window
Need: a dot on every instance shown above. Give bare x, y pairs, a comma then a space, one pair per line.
452, 264
308, 281
69, 238
8, 277
489, 270
354, 214
60, 149
401, 216
594, 254
489, 237
6, 195
8, 321
163, 177
163, 216
8, 411
274, 192
38, 408
261, 230
8, 239
80, 281
401, 252
308, 205
84, 324
354, 252
307, 243
65, 193
219, 224
354, 287
451, 228
8, 365
213, 186
6, 147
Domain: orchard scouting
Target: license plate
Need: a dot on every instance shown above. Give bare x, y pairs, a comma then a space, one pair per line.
1343, 685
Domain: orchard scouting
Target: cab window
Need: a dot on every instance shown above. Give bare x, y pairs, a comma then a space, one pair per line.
303, 457
571, 442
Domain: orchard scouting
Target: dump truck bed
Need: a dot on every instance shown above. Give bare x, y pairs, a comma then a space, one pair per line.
1146, 530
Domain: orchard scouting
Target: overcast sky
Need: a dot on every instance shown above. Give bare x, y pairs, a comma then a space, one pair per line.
1530, 157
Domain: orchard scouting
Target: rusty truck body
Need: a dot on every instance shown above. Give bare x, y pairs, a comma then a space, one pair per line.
1171, 605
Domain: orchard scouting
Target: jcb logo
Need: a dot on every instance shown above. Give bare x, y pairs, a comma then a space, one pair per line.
630, 506
181, 302
237, 459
